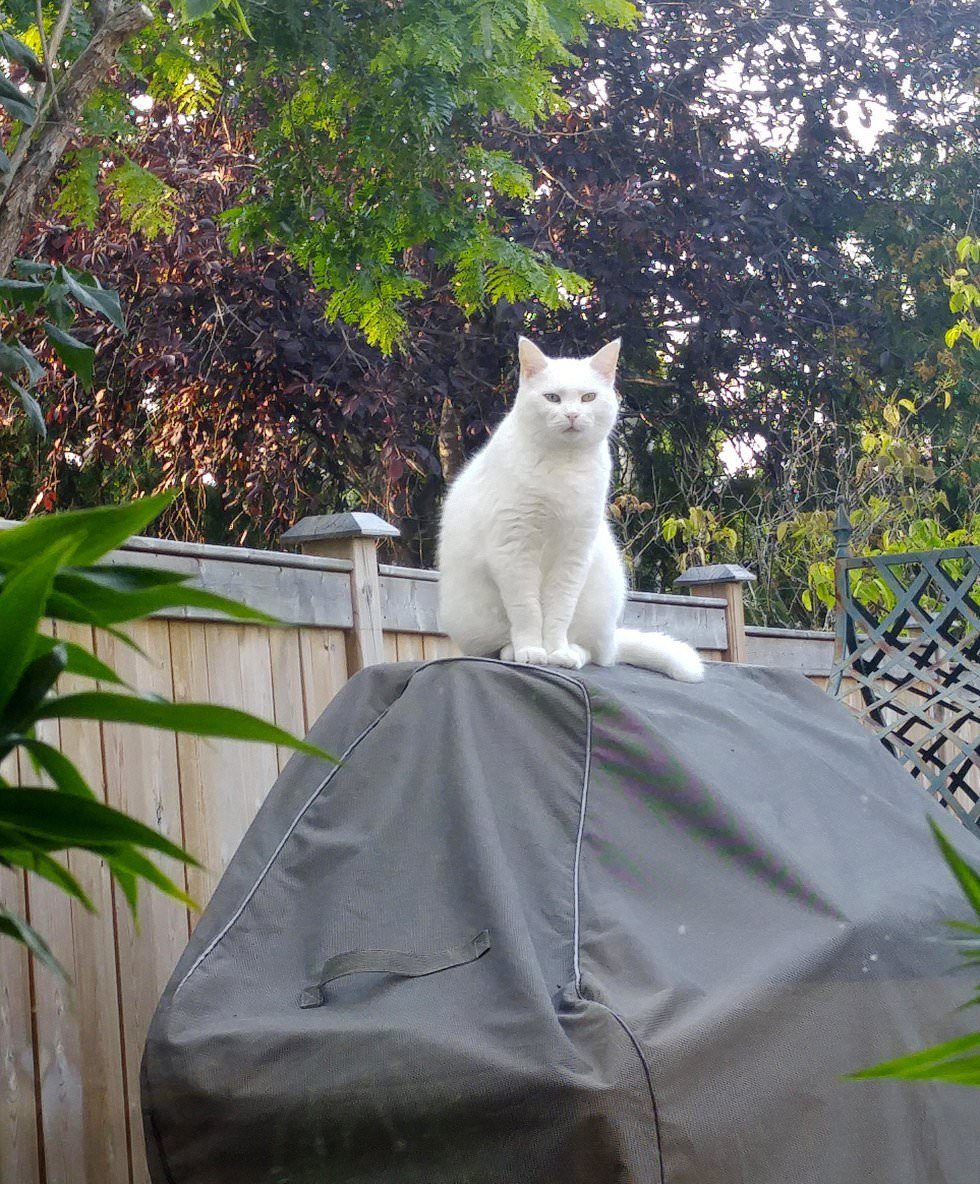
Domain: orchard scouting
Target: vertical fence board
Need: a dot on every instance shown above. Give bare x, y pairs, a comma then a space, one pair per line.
323, 656
58, 1049
104, 1152
195, 759
437, 646
409, 647
391, 647
287, 685
57, 1085
142, 780
18, 1113
222, 782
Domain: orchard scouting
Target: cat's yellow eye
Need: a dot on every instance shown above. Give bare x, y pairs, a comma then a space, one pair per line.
551, 397
588, 397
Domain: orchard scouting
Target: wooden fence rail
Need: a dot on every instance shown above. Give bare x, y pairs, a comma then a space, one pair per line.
69, 1058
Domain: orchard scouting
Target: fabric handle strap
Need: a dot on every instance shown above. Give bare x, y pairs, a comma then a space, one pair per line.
394, 962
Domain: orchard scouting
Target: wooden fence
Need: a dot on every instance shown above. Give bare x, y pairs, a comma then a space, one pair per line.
69, 1059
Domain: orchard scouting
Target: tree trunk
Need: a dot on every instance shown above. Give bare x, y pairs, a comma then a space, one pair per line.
20, 202
449, 443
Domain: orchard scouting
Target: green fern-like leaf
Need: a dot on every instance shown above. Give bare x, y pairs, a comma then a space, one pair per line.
78, 201
439, 43
381, 322
620, 13
541, 29
148, 204
108, 118
526, 94
499, 21
184, 79
491, 268
372, 302
470, 276
501, 172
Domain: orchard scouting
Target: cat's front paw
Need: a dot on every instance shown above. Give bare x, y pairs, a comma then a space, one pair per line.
530, 655
571, 657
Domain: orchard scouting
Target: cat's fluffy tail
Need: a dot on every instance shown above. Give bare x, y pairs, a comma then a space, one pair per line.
657, 651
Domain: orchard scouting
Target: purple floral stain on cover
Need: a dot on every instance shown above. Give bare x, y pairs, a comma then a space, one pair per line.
641, 765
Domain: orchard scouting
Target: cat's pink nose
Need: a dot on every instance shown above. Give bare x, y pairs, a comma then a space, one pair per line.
572, 416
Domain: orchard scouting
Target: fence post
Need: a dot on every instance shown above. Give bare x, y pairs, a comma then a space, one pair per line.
352, 536
723, 580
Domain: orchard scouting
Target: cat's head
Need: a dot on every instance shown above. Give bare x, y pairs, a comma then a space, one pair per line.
567, 402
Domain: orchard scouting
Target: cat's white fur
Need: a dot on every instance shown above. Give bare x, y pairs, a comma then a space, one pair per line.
528, 567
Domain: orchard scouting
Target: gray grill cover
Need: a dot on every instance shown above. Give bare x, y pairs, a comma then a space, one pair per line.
704, 904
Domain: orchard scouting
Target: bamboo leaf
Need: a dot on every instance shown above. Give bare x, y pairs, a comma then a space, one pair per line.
125, 578
58, 767
17, 928
38, 678
68, 821
112, 606
942, 1062
65, 608
968, 877
127, 861
16, 51
95, 531
22, 599
100, 300
79, 660
18, 852
196, 719
32, 408
77, 356
129, 886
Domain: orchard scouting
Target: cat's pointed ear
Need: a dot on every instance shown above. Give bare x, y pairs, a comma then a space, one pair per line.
604, 362
533, 361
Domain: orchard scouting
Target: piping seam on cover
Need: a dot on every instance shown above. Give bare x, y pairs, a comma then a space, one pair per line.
213, 944
550, 674
576, 934
578, 969
649, 1080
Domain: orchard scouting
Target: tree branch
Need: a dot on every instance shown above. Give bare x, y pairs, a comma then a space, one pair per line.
28, 183
49, 51
45, 49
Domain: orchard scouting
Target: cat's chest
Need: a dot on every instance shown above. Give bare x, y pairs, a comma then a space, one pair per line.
550, 496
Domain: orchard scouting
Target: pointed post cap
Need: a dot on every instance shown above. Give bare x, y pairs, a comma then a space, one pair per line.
842, 530
316, 528
715, 573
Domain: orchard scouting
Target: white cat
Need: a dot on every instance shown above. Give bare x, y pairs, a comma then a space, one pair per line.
528, 567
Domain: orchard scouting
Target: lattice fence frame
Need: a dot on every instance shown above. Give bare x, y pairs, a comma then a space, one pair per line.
912, 674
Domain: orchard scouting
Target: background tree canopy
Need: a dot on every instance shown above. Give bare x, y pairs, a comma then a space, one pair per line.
328, 232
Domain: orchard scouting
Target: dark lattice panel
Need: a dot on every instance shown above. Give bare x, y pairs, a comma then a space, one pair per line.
911, 673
